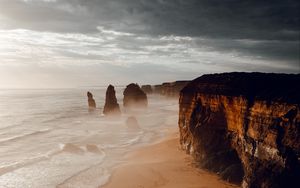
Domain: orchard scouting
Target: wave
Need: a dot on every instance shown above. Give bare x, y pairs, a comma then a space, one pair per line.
130, 142
18, 137
27, 162
63, 148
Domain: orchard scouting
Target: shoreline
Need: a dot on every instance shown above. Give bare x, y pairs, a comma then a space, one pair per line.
163, 165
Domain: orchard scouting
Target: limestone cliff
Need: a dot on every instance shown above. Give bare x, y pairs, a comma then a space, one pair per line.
244, 126
170, 89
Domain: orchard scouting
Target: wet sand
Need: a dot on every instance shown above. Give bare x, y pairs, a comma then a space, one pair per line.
163, 165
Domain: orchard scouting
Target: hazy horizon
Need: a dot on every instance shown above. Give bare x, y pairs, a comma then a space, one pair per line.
79, 43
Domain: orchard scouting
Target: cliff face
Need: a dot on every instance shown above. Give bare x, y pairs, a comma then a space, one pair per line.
245, 126
170, 89
147, 89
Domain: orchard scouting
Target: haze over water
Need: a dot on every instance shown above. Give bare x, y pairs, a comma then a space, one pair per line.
48, 138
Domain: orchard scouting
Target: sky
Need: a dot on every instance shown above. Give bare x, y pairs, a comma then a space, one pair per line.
83, 43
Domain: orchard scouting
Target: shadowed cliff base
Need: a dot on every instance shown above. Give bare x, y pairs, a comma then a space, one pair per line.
244, 126
210, 130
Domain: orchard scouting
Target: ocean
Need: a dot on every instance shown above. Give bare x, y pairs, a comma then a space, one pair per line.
48, 138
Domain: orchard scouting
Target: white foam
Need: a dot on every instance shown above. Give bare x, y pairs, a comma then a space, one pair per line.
71, 148
17, 137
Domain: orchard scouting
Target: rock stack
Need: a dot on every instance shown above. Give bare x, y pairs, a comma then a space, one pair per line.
111, 106
91, 101
134, 96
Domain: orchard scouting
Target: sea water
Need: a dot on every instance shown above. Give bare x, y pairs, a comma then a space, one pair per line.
48, 138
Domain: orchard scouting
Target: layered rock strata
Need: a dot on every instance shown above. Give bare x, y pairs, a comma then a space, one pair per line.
134, 96
111, 106
147, 89
91, 101
244, 126
170, 89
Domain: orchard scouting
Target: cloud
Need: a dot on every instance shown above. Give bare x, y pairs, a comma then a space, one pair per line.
183, 36
123, 49
254, 20
210, 18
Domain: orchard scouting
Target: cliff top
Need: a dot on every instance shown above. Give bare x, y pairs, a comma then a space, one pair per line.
263, 86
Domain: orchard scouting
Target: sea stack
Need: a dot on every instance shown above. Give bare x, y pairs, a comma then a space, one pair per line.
244, 126
91, 101
111, 106
134, 96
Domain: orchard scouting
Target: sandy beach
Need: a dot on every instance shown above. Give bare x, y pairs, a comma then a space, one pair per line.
163, 165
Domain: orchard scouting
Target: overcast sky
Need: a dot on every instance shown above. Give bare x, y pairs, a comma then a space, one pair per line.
71, 43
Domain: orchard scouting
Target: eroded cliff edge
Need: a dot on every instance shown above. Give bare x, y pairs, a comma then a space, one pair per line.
244, 126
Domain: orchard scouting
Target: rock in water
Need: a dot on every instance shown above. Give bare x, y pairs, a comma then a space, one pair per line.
245, 126
91, 101
132, 123
134, 96
111, 106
